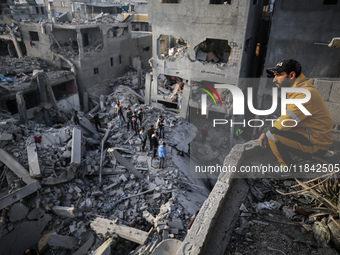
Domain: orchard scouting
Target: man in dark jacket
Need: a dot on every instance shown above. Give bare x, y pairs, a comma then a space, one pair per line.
151, 130
129, 119
155, 144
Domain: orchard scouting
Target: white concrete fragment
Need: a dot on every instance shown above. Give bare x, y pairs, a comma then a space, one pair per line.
33, 160
64, 211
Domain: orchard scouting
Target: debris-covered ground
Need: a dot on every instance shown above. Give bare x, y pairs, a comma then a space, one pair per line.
273, 223
74, 203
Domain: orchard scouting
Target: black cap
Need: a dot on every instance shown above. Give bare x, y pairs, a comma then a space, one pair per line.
287, 65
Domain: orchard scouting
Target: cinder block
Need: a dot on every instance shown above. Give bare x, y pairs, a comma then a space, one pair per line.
333, 109
335, 92
324, 88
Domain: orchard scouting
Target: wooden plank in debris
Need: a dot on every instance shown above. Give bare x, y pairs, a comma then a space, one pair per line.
126, 163
85, 247
15, 166
19, 194
102, 226
33, 161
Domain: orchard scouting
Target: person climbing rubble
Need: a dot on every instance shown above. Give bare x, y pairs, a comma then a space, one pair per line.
141, 116
76, 118
120, 114
97, 122
302, 135
143, 137
135, 123
160, 125
155, 143
162, 155
129, 119
151, 131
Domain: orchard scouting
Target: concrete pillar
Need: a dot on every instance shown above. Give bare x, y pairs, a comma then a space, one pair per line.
21, 106
185, 101
76, 148
32, 155
139, 73
148, 89
16, 44
80, 41
41, 80
102, 102
85, 102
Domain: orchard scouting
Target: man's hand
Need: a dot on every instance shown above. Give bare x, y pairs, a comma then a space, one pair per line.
263, 140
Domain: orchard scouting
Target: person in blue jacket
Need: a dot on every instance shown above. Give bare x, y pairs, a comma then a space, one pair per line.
162, 155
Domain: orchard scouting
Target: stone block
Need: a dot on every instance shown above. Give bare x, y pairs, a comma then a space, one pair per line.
324, 88
176, 224
18, 212
333, 109
335, 92
63, 242
64, 211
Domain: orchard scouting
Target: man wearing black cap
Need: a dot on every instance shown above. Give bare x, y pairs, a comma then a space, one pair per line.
302, 135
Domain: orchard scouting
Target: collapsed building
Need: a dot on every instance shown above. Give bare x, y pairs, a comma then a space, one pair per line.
105, 195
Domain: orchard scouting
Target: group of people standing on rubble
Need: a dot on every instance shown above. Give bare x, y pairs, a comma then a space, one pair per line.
135, 120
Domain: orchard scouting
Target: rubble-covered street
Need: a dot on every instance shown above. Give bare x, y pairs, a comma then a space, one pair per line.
82, 188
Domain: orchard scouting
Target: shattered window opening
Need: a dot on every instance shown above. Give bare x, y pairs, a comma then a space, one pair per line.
111, 61
120, 59
213, 50
92, 39
95, 70
34, 36
32, 99
117, 32
12, 106
220, 1
171, 47
67, 39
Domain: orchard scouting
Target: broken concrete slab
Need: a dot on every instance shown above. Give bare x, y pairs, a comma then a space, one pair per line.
33, 160
15, 166
26, 234
103, 226
18, 212
176, 224
86, 246
125, 163
167, 247
64, 211
62, 242
6, 137
19, 194
105, 248
76, 147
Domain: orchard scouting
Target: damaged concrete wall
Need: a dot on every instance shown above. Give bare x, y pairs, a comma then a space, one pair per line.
224, 22
296, 27
37, 44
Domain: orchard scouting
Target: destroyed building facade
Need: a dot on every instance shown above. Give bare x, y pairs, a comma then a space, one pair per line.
217, 46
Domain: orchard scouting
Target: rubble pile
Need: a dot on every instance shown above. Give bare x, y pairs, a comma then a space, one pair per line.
85, 186
5, 29
176, 53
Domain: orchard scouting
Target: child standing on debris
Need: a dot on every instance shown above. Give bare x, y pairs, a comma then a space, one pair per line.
143, 137
76, 118
151, 130
155, 143
160, 124
162, 155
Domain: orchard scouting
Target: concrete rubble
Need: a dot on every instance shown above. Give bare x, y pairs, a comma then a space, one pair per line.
134, 207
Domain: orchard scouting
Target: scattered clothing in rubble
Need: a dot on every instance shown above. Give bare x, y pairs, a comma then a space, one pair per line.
5, 79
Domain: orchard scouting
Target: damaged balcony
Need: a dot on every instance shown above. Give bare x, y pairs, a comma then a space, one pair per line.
92, 39
65, 42
171, 47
